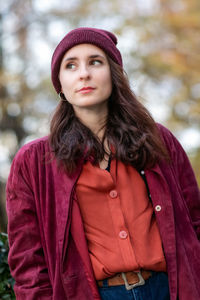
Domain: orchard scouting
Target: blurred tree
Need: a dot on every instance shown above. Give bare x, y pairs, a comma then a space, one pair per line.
21, 116
171, 39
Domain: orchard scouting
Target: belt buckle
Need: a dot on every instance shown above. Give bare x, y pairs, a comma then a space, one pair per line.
132, 286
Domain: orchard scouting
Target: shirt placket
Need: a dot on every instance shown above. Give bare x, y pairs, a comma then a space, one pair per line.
121, 231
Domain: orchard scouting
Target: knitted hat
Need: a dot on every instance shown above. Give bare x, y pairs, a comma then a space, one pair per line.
103, 39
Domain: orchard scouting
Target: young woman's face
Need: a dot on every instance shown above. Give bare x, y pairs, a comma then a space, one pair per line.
85, 77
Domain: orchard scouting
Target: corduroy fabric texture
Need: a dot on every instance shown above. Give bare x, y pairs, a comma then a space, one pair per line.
103, 39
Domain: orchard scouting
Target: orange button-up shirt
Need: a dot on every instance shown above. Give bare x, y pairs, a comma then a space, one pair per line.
119, 221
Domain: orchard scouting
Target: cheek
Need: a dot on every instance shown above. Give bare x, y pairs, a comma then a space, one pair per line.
66, 82
103, 75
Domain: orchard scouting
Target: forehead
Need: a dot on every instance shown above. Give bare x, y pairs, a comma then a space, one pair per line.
84, 50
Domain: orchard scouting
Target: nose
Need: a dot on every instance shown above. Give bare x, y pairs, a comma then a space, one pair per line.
84, 72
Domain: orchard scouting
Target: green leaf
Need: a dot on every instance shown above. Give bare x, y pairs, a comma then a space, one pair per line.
6, 280
6, 297
2, 269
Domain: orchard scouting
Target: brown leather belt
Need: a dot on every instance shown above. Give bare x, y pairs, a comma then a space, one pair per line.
130, 279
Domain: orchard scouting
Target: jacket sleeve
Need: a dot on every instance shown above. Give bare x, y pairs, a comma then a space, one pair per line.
26, 257
185, 177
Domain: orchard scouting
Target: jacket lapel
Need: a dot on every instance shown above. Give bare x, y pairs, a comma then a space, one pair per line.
164, 211
64, 188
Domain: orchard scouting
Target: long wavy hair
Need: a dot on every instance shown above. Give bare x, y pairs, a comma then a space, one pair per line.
129, 130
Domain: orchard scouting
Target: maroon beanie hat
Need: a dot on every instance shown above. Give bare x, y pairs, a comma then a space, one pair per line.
103, 39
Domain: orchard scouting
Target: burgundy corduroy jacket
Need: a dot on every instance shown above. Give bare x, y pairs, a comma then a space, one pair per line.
48, 251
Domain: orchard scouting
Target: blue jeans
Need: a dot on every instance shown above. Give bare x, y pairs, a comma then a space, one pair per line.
155, 288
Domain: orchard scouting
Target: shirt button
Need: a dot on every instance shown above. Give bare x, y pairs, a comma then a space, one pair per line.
113, 194
123, 234
158, 208
142, 172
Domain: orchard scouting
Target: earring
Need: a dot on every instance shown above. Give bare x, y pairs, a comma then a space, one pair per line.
62, 96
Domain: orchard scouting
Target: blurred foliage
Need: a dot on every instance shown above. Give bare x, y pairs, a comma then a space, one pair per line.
6, 281
159, 42
176, 55
173, 36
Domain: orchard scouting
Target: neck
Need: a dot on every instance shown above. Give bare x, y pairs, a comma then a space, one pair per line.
94, 120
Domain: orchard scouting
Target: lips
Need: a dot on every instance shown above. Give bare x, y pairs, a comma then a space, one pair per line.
86, 89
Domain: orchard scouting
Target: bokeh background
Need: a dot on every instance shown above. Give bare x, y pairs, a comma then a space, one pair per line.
160, 44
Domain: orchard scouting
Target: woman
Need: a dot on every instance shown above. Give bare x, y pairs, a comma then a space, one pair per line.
106, 206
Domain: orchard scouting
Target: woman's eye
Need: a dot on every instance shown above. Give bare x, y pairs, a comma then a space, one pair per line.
70, 66
96, 62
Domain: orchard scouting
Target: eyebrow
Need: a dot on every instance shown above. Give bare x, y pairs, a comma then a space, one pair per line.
91, 56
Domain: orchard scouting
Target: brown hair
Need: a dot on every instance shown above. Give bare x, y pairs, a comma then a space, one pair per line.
130, 130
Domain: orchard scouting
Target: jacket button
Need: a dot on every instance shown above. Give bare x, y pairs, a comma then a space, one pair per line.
123, 234
158, 208
113, 194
